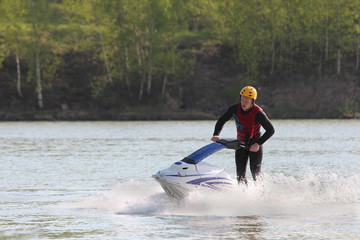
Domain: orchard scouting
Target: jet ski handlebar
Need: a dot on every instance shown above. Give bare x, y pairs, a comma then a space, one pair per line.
211, 148
233, 144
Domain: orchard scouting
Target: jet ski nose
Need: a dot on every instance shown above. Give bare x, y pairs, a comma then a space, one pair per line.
157, 175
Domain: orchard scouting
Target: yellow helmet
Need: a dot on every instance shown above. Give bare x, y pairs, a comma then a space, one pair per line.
249, 92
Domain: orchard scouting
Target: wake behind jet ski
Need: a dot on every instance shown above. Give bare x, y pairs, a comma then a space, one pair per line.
191, 174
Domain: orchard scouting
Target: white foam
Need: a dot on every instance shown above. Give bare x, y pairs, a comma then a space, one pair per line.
274, 194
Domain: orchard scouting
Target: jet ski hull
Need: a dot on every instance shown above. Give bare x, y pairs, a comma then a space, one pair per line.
190, 174
172, 189
182, 178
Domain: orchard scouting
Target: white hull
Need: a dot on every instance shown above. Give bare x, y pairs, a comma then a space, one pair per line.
181, 178
190, 174
172, 189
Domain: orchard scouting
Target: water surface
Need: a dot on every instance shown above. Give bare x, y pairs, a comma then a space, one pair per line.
92, 180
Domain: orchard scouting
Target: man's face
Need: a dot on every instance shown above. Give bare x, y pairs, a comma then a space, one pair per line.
246, 103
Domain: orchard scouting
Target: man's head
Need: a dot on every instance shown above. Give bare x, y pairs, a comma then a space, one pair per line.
248, 96
249, 92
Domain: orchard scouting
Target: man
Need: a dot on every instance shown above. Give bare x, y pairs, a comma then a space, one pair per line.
248, 117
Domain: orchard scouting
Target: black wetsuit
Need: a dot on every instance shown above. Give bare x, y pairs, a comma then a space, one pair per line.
242, 155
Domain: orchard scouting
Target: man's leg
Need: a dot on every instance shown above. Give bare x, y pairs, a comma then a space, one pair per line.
241, 159
255, 162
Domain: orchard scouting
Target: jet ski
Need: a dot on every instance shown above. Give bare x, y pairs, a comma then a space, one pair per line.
191, 174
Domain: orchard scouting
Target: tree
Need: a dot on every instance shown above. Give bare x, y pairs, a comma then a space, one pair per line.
14, 31
102, 42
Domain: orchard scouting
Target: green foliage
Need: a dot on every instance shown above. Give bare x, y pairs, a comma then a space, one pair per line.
144, 40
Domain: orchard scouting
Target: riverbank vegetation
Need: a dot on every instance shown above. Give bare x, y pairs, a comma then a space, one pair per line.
177, 59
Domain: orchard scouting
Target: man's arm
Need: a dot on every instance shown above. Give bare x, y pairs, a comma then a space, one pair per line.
266, 124
222, 120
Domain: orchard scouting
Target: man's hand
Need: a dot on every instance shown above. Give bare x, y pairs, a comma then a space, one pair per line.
215, 138
254, 148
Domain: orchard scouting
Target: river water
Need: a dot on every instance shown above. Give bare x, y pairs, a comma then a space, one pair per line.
92, 180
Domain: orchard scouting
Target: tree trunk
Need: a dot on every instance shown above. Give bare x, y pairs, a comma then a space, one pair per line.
320, 57
273, 56
37, 62
327, 36
164, 86
102, 44
105, 57
152, 20
127, 81
142, 87
120, 10
357, 51
38, 75
357, 54
18, 85
338, 62
141, 71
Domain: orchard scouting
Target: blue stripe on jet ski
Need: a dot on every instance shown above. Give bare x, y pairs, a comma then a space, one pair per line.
208, 182
204, 152
177, 175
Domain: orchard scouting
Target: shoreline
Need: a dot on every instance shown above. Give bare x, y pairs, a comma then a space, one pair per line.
114, 115
101, 115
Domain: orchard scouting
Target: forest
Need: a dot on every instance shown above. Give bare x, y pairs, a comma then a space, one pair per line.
177, 59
